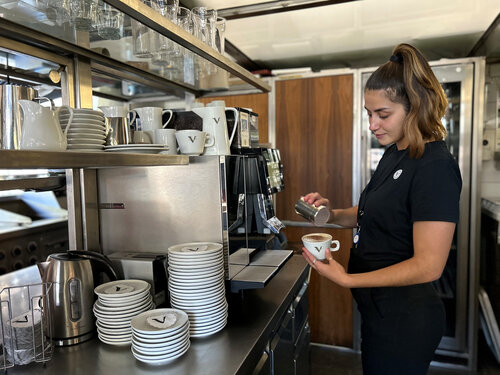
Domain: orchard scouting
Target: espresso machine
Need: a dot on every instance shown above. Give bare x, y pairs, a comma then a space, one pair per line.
254, 176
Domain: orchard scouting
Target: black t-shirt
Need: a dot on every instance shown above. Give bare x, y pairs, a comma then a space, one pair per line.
402, 191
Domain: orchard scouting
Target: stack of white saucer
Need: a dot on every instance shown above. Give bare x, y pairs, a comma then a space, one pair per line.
118, 302
87, 131
196, 285
160, 336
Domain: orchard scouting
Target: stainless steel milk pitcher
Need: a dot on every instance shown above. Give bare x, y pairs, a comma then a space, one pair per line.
11, 115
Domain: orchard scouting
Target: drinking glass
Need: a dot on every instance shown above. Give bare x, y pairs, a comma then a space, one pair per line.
83, 13
109, 22
204, 20
163, 47
142, 37
182, 57
57, 11
220, 29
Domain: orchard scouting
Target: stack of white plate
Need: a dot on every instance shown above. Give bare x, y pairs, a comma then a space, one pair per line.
160, 336
87, 131
139, 148
118, 302
196, 285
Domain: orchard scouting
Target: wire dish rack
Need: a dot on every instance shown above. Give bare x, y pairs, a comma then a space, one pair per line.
25, 325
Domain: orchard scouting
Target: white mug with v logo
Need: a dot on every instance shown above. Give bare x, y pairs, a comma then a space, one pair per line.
193, 142
318, 243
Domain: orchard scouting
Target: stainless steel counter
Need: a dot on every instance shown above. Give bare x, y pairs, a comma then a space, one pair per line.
234, 350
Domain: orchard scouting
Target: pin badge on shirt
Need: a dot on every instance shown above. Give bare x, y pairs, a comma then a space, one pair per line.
356, 238
397, 174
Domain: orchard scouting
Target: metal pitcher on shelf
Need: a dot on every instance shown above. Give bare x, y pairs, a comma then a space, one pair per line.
11, 115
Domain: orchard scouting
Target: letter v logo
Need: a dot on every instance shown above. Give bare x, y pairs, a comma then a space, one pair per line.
192, 138
318, 249
217, 120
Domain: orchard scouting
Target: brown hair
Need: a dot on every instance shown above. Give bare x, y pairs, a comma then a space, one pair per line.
407, 78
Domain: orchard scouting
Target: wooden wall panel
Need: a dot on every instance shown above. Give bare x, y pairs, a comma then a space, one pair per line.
258, 103
314, 135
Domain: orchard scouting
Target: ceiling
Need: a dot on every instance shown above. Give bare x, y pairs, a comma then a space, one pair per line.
351, 33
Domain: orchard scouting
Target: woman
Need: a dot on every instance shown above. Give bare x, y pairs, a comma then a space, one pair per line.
405, 220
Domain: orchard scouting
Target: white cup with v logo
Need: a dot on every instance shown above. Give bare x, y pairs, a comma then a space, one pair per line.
318, 243
193, 142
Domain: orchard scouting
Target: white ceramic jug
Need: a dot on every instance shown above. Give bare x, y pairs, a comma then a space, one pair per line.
215, 125
41, 129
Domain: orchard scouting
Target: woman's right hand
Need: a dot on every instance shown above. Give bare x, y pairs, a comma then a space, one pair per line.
317, 200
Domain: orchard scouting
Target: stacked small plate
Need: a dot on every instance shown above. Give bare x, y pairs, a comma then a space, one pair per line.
160, 336
87, 131
196, 285
139, 148
118, 302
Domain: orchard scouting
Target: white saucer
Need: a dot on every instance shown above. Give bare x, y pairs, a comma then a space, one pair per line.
185, 285
82, 140
198, 265
190, 248
201, 302
114, 342
88, 111
158, 340
192, 293
207, 332
188, 277
206, 309
114, 302
143, 323
82, 116
216, 315
84, 146
133, 146
139, 150
106, 312
112, 331
202, 296
122, 288
190, 280
195, 257
180, 288
159, 337
120, 318
87, 135
161, 350
123, 324
196, 274
85, 127
194, 270
105, 307
116, 336
158, 360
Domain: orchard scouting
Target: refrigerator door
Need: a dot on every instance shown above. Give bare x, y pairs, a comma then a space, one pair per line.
457, 80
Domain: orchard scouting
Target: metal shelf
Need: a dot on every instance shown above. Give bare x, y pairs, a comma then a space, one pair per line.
34, 183
136, 9
68, 159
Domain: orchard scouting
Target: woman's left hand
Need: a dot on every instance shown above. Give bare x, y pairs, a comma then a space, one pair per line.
329, 268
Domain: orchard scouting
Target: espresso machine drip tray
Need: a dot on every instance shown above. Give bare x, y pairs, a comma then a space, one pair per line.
262, 266
271, 258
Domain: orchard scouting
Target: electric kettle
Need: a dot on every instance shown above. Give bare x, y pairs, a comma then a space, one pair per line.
73, 276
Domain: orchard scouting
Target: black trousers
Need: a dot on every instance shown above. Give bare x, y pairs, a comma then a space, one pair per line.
401, 328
